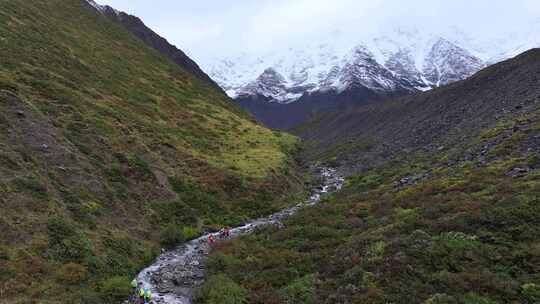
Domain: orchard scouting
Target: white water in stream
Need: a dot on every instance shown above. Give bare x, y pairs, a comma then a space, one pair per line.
175, 274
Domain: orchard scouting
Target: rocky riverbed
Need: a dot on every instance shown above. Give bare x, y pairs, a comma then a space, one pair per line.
175, 274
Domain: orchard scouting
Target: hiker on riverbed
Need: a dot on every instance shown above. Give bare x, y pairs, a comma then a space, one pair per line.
141, 293
211, 239
228, 231
135, 296
225, 233
147, 296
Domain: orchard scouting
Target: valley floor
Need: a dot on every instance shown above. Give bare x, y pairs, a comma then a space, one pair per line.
419, 229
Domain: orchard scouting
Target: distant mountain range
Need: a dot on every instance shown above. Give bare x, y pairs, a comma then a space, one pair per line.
404, 59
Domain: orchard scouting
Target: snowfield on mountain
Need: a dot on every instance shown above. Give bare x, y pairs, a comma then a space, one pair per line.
405, 59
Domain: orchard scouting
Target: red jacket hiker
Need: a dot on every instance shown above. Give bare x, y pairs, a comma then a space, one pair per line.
211, 238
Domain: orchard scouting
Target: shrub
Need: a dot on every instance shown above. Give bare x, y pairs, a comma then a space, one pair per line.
407, 215
407, 219
531, 292
472, 298
72, 273
376, 251
75, 249
441, 299
116, 263
5, 253
365, 182
175, 212
92, 208
452, 248
140, 166
172, 236
181, 185
369, 280
31, 185
66, 243
58, 229
533, 160
115, 289
85, 296
219, 262
301, 291
354, 276
362, 210
220, 289
6, 273
190, 233
121, 244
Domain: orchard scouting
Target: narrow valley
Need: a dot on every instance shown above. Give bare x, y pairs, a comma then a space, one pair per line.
269, 152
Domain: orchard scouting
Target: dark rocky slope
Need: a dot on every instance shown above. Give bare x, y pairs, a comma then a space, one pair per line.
435, 120
287, 116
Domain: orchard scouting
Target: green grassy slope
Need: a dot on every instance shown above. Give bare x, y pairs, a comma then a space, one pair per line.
460, 225
108, 148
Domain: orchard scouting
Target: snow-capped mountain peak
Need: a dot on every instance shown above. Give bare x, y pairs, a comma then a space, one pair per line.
102, 8
402, 58
269, 84
447, 62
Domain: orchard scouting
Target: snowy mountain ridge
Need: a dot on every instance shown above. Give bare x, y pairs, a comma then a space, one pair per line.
102, 8
403, 59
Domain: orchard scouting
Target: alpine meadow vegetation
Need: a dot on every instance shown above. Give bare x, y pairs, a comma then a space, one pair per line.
109, 151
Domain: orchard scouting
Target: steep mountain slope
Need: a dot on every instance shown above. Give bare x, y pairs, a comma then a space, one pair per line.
448, 214
139, 29
109, 151
286, 116
447, 63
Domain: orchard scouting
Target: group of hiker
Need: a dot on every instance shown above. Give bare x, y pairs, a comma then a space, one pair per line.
224, 233
141, 295
144, 295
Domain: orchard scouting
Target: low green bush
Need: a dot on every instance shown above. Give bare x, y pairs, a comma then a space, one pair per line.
441, 299
473, 298
31, 185
190, 232
66, 243
171, 236
117, 263
220, 289
116, 289
221, 262
353, 276
59, 229
72, 273
5, 253
531, 292
375, 252
181, 184
300, 291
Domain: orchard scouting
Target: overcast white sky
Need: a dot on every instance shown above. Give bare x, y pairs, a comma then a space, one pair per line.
204, 27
